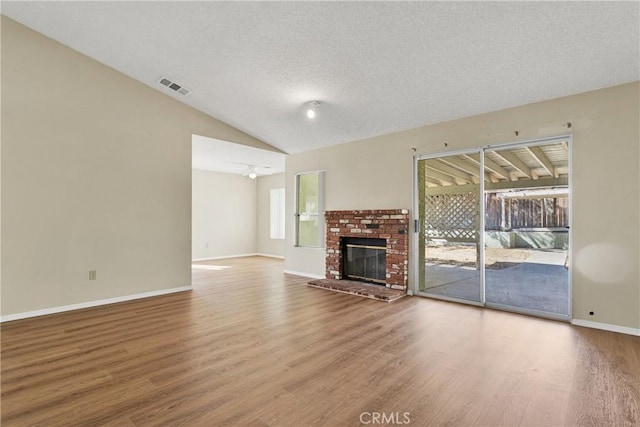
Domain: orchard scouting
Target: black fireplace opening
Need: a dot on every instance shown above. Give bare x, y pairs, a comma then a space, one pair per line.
364, 259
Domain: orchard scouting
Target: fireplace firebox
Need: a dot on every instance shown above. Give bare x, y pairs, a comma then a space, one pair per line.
364, 259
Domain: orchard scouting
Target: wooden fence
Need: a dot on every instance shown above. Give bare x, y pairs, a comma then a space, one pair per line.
512, 213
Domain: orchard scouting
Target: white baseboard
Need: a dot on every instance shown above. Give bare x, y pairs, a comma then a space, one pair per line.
299, 273
223, 257
237, 256
89, 304
270, 256
606, 327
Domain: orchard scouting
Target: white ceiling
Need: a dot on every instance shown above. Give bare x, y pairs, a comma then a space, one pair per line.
222, 156
376, 67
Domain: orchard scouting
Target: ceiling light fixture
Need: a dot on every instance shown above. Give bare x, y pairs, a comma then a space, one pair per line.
252, 172
311, 109
252, 175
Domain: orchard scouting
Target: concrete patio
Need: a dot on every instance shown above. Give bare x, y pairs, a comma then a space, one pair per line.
538, 283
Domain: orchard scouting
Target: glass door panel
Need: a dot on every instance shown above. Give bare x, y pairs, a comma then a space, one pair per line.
526, 233
449, 206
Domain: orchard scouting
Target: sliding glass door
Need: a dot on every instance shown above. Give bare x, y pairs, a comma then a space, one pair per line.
493, 227
449, 206
526, 233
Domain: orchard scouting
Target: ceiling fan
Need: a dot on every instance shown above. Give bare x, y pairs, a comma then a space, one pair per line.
253, 171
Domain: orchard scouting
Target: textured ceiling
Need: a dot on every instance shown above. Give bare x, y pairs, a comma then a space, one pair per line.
376, 67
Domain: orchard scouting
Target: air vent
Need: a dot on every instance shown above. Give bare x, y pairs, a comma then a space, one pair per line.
174, 86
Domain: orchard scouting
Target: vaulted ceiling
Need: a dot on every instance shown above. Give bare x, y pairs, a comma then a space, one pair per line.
375, 67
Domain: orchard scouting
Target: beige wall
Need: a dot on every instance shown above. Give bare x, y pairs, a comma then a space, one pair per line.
96, 174
267, 245
1, 22
377, 173
223, 216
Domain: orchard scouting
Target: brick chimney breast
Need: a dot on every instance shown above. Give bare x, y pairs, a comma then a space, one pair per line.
389, 224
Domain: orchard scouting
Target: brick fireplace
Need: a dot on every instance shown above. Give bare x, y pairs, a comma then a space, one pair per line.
392, 225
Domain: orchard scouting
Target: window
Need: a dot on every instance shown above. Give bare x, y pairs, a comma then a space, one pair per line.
276, 210
309, 209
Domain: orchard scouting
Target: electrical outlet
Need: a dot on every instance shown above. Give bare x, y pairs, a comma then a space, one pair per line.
92, 275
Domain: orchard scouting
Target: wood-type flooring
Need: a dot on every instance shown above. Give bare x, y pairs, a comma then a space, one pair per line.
253, 346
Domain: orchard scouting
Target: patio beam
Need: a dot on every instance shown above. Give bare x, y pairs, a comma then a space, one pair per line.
492, 166
435, 182
432, 173
542, 158
465, 165
528, 183
449, 170
515, 161
455, 189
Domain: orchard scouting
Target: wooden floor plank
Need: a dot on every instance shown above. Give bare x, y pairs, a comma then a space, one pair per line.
253, 346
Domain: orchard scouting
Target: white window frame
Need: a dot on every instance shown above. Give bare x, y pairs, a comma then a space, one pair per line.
320, 214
